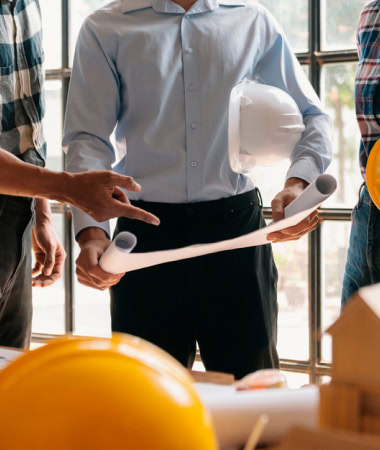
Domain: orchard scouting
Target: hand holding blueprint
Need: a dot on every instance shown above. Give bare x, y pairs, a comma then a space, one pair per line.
119, 259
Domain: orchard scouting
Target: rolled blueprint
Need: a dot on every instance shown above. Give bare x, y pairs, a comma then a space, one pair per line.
235, 413
122, 245
317, 192
119, 260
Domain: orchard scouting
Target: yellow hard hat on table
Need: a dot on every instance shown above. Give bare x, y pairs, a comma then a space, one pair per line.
373, 174
107, 394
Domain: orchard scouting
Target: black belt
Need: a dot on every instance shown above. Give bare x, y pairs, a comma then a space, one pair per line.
206, 208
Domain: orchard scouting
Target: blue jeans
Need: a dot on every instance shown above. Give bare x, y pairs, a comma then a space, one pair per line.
363, 258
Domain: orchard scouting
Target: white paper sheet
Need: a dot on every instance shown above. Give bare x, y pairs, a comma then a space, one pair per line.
7, 355
118, 259
235, 413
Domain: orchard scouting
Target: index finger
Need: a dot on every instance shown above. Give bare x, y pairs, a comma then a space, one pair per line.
132, 212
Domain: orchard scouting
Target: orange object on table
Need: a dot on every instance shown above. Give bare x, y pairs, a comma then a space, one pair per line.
262, 379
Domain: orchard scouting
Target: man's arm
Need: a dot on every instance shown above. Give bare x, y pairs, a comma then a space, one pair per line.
93, 106
279, 67
97, 193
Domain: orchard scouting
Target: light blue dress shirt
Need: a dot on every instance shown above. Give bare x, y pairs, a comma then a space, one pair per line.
161, 77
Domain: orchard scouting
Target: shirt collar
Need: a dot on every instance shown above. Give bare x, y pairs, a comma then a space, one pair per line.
167, 6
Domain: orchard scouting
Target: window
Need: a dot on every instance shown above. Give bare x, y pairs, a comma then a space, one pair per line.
322, 33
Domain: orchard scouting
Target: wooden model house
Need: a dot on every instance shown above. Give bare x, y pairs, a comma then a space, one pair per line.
352, 400
349, 412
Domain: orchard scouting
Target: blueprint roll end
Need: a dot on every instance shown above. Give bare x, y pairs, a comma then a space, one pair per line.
112, 259
125, 241
326, 184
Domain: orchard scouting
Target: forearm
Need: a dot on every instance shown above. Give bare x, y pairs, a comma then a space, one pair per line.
21, 179
313, 153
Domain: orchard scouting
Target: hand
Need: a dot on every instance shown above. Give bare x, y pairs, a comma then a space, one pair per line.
49, 253
94, 243
293, 188
98, 194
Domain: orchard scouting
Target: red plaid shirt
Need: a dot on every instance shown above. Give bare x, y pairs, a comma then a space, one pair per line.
367, 87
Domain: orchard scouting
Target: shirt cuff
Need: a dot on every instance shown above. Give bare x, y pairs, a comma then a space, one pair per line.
304, 169
82, 220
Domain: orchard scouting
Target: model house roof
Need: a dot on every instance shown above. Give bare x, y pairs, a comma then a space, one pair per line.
367, 300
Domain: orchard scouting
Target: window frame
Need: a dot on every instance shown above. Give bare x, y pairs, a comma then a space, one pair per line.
316, 59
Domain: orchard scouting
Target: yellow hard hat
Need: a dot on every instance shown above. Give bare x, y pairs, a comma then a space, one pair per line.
373, 174
101, 394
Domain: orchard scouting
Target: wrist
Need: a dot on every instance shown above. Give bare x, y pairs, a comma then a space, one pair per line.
43, 212
90, 234
296, 182
58, 186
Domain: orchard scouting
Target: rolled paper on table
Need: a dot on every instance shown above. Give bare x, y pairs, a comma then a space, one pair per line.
119, 260
233, 413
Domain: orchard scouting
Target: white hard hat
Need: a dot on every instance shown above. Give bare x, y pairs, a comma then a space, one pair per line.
265, 124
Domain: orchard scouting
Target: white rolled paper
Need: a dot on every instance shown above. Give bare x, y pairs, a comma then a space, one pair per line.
122, 245
317, 192
119, 260
235, 413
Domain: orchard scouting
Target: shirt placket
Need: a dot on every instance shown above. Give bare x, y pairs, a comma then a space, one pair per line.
192, 109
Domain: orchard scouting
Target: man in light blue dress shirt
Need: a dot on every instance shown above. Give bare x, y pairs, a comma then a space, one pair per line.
160, 73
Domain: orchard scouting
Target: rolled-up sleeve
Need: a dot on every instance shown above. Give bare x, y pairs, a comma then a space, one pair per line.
92, 110
280, 68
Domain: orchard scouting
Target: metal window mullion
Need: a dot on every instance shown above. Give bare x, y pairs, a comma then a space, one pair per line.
69, 244
315, 300
315, 42
314, 248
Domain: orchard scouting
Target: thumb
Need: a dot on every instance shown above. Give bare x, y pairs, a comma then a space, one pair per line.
278, 208
120, 195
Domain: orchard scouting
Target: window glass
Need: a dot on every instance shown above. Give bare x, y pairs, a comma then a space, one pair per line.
52, 32
53, 124
293, 17
338, 81
335, 238
92, 312
79, 10
49, 302
293, 322
92, 307
296, 380
339, 19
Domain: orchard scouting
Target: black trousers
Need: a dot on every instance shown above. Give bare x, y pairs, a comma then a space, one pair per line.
225, 301
16, 223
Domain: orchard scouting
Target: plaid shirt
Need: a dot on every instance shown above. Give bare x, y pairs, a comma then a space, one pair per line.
22, 105
367, 92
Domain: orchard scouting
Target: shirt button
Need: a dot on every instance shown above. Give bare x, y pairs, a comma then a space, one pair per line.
191, 88
189, 50
193, 125
193, 164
